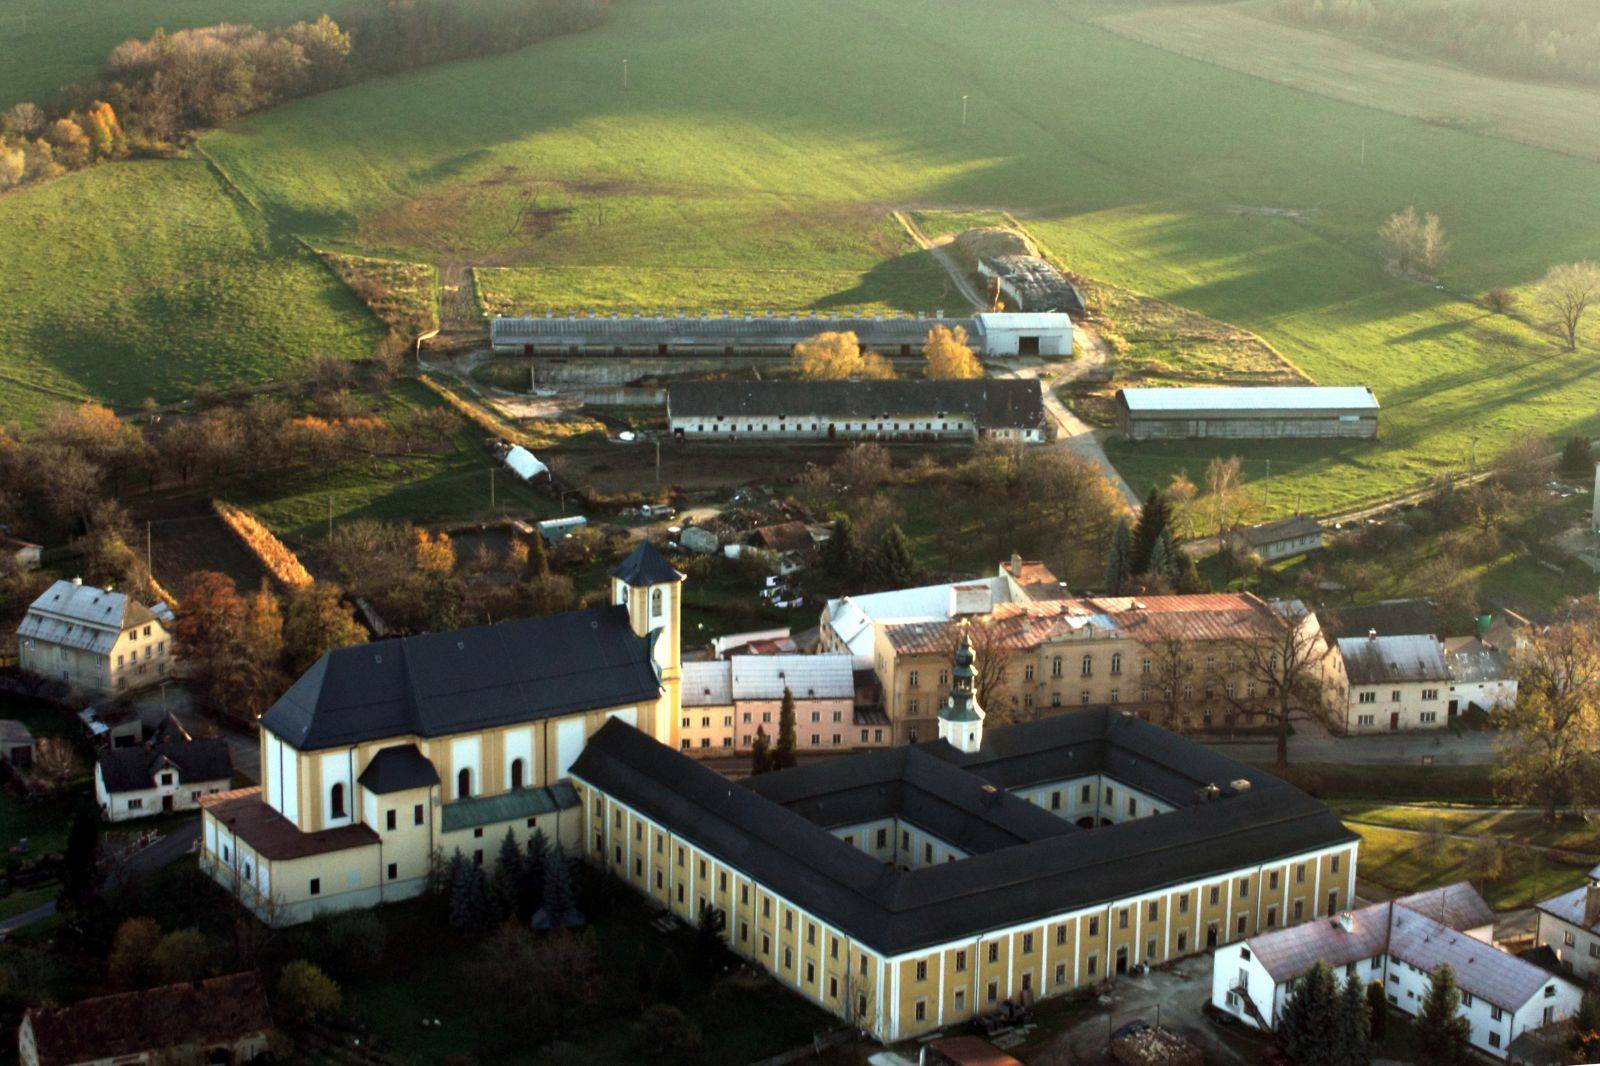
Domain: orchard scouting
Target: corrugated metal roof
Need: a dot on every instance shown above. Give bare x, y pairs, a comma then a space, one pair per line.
1035, 322
1481, 969
989, 402
852, 617
759, 329
506, 807
807, 677
1476, 663
1288, 953
1252, 398
1376, 660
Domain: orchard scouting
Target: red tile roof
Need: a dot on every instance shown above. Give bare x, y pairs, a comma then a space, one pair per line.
220, 1010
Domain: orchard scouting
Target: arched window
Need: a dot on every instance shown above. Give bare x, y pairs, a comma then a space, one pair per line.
336, 800
655, 601
516, 773
464, 783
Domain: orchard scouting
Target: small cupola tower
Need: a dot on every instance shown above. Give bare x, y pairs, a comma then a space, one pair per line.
960, 717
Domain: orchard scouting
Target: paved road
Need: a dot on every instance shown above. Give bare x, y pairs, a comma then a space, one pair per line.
17, 921
1072, 433
168, 849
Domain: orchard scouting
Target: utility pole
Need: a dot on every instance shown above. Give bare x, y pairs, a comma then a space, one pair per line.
491, 488
658, 460
1363, 149
330, 514
963, 109
149, 559
1472, 458
624, 74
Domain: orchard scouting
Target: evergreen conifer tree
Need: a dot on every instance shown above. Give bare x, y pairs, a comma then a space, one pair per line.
560, 902
1154, 516
841, 553
505, 884
530, 886
1377, 1011
894, 565
1160, 562
1188, 580
1584, 1042
783, 754
1118, 563
1167, 546
1306, 1030
669, 978
1352, 1036
80, 869
471, 911
760, 752
1440, 1036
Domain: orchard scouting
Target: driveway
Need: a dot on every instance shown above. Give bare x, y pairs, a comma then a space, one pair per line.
174, 699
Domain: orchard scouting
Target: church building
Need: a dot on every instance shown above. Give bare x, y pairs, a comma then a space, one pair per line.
382, 754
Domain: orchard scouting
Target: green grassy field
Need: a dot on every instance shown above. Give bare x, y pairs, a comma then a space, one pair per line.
1213, 189
451, 486
1402, 863
46, 45
147, 279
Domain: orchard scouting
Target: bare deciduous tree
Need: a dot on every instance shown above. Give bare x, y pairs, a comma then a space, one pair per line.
1283, 661
1567, 293
1171, 675
1413, 244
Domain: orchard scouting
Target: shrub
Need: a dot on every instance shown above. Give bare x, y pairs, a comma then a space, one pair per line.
1501, 301
663, 1031
306, 993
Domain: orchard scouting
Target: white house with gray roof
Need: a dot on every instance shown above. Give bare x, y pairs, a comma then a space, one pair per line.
101, 641
1569, 925
1399, 944
1394, 683
1480, 675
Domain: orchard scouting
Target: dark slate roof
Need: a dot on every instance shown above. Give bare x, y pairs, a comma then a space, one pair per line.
134, 769
645, 566
397, 769
1005, 884
1391, 618
467, 679
1290, 528
991, 402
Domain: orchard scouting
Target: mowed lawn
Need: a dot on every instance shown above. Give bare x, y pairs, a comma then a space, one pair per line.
147, 279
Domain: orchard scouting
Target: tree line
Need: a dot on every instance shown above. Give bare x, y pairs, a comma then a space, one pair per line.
154, 94
1551, 40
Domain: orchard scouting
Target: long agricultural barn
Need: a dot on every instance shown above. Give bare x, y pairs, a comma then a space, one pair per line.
1265, 412
990, 334
1007, 409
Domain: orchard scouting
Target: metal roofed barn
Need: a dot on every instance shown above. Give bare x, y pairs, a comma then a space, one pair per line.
988, 334
1032, 283
1264, 412
850, 410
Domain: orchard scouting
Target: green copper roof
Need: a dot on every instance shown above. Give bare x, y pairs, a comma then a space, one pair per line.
519, 804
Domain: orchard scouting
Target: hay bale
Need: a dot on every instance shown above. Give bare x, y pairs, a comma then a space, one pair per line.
989, 241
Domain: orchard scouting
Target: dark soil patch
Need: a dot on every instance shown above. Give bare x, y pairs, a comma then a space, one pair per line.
185, 536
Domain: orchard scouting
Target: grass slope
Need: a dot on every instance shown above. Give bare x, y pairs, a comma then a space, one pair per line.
46, 45
147, 279
1133, 164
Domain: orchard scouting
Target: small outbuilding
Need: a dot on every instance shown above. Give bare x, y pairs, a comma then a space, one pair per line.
24, 553
1278, 540
1248, 413
168, 775
521, 462
16, 744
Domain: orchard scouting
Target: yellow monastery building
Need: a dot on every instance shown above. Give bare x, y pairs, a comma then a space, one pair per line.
904, 889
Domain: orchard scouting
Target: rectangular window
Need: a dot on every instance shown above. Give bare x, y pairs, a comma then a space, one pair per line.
316, 886
394, 871
961, 962
390, 819
416, 815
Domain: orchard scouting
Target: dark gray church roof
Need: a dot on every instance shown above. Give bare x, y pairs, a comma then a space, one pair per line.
753, 830
645, 566
397, 769
991, 402
467, 679
134, 769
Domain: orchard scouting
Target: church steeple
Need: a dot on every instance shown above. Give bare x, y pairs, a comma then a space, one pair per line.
960, 717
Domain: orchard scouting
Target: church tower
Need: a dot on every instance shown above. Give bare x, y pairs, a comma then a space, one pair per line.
960, 717
652, 591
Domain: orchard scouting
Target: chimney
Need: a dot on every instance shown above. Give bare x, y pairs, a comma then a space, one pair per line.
1347, 922
78, 581
1591, 905
1372, 634
970, 599
1016, 564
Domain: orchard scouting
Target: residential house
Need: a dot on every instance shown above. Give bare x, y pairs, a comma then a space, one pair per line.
725, 701
1480, 675
1399, 944
792, 542
1174, 659
1394, 683
16, 744
100, 641
170, 774
383, 755
1272, 541
1569, 925
220, 1019
777, 641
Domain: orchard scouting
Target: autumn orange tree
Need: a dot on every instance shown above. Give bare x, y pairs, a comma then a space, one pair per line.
839, 357
948, 354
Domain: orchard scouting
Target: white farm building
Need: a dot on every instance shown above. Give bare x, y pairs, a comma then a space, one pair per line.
1260, 413
1005, 409
989, 334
